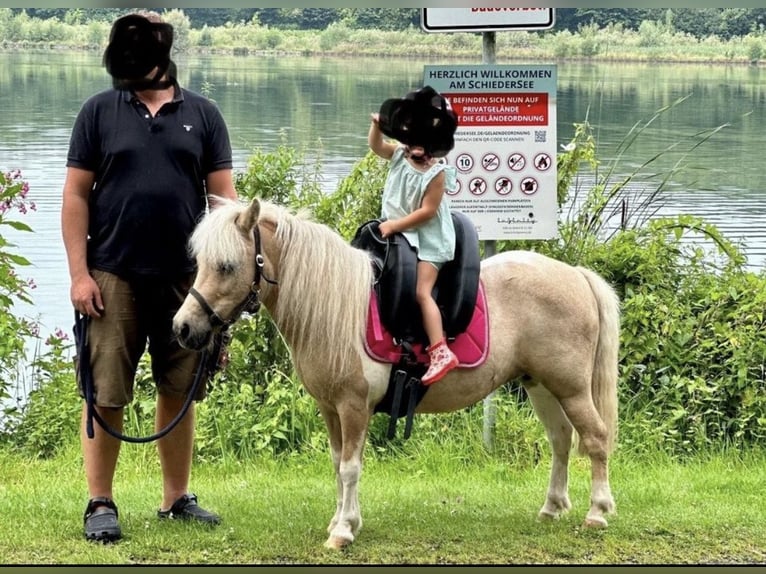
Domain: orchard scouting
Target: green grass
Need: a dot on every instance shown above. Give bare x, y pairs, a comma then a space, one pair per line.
416, 510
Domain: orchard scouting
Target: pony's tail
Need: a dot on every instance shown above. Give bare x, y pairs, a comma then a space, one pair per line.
604, 382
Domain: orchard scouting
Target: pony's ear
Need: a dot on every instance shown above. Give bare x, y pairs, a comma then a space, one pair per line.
248, 219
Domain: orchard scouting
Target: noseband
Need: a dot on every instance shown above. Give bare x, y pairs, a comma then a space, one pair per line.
251, 304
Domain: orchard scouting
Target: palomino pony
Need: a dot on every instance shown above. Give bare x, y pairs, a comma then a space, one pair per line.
554, 325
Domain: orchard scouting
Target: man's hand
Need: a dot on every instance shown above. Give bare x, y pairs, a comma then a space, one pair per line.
86, 296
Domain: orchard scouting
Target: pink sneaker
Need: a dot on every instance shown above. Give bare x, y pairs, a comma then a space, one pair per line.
443, 360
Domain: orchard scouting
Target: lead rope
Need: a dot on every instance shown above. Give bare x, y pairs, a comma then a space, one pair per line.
86, 377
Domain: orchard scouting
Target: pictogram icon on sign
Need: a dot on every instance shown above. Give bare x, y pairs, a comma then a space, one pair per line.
464, 162
477, 186
503, 186
490, 162
517, 162
542, 161
528, 186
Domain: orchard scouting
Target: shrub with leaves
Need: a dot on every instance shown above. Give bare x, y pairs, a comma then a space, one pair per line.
50, 417
13, 329
692, 351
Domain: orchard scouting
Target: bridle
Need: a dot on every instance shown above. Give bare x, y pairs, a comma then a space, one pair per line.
251, 304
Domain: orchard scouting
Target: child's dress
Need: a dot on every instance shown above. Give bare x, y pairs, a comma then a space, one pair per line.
403, 193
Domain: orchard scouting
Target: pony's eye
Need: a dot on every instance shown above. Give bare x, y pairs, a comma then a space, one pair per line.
225, 268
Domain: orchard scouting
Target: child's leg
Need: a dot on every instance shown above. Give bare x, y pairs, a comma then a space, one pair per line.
442, 358
432, 319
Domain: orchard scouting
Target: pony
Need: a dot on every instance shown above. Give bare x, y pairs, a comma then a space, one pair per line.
552, 325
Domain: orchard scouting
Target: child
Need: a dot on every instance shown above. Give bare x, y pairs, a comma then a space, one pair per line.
424, 125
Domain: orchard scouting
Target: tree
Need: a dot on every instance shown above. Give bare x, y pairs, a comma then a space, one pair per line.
630, 18
215, 17
270, 17
734, 22
317, 18
74, 17
565, 19
181, 26
381, 18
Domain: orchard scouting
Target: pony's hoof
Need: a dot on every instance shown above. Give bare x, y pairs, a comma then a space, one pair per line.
554, 509
595, 522
337, 543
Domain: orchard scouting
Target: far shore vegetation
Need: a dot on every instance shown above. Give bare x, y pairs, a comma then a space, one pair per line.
719, 35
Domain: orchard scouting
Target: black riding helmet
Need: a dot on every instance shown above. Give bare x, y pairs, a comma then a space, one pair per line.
136, 47
421, 118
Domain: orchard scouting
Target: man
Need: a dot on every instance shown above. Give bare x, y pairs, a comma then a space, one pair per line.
143, 159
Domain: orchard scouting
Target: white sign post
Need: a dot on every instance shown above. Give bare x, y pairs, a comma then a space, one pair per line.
485, 19
489, 21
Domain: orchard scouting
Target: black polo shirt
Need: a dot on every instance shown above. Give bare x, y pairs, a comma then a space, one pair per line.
150, 178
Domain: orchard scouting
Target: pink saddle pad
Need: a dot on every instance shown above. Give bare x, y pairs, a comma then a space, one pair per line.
471, 346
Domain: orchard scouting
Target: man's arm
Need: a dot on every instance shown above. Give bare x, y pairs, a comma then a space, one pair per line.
220, 183
84, 293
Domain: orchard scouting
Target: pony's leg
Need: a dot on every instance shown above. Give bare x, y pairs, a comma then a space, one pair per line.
354, 418
336, 443
593, 435
559, 432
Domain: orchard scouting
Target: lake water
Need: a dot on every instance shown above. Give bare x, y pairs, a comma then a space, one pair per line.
322, 106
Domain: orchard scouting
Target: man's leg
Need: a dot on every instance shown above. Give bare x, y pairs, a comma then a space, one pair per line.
174, 369
100, 455
175, 448
100, 452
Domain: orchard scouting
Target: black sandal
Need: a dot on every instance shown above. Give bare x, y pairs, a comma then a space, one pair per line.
186, 508
101, 520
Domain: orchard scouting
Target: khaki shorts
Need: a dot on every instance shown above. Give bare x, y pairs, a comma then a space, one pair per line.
136, 313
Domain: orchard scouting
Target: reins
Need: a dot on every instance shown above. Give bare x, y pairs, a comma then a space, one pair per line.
86, 378
251, 304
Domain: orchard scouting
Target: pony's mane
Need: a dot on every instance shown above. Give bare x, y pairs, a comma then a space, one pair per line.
324, 283
216, 239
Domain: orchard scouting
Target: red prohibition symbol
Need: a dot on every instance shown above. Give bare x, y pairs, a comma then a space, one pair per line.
503, 186
528, 186
542, 161
517, 162
477, 186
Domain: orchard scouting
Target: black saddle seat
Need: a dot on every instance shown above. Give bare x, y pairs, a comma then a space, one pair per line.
395, 260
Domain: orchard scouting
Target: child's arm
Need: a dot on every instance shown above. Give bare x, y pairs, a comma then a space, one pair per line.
428, 208
376, 142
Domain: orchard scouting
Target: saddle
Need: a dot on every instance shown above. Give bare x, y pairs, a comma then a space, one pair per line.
395, 262
395, 331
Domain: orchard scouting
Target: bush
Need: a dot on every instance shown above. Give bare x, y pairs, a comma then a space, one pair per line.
691, 354
754, 48
13, 329
50, 417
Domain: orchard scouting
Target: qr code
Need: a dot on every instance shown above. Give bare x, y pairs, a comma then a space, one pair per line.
540, 136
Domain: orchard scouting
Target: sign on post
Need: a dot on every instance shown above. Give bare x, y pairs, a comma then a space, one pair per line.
485, 19
505, 147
